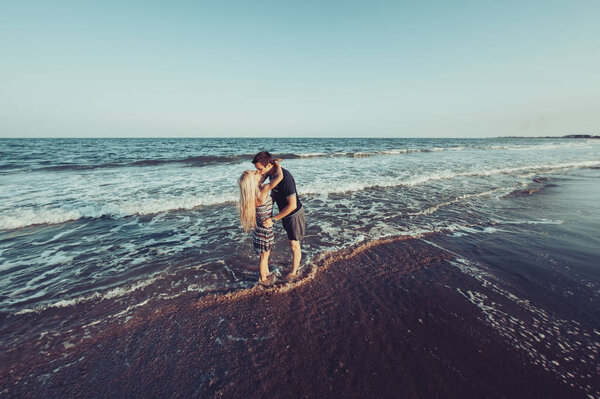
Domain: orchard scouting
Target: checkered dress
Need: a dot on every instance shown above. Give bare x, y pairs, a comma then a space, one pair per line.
263, 237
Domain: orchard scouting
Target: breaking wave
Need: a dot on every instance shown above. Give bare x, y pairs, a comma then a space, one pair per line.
23, 217
206, 160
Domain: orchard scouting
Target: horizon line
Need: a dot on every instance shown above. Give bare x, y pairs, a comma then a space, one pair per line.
589, 135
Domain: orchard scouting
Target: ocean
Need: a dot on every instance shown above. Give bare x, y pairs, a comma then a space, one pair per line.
94, 232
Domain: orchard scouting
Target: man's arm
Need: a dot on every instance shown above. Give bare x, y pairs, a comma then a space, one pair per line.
289, 208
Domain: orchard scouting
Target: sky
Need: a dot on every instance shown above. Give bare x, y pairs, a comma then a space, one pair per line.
299, 69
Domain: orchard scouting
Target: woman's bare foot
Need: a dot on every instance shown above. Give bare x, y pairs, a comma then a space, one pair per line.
269, 280
291, 277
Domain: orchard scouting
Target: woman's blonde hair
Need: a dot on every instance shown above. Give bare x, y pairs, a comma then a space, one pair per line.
247, 203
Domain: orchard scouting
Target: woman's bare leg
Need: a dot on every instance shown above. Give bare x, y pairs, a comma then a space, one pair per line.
263, 266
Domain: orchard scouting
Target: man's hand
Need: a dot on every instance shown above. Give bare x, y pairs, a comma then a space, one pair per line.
268, 222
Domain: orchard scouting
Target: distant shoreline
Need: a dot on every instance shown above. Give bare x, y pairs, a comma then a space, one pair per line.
570, 136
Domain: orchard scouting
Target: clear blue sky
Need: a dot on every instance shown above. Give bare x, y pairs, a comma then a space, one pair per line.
303, 68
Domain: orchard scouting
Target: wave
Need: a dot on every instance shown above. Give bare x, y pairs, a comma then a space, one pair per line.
206, 160
444, 175
364, 154
436, 207
20, 218
110, 294
536, 147
195, 161
27, 217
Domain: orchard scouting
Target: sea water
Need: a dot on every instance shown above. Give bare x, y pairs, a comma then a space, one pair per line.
94, 229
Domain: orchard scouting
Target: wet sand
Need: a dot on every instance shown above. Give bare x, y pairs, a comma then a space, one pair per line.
383, 320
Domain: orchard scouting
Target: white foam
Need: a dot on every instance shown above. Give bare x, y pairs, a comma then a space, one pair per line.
55, 258
549, 146
129, 308
461, 198
153, 206
400, 151
168, 200
537, 147
397, 151
312, 154
526, 334
113, 293
27, 217
319, 189
535, 167
56, 237
517, 222
8, 265
437, 149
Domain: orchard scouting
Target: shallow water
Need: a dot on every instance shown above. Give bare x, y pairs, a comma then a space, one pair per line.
540, 279
93, 230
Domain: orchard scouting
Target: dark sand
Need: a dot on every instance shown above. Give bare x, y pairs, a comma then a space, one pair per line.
384, 320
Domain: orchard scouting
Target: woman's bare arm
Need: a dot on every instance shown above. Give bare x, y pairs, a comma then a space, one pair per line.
265, 188
262, 180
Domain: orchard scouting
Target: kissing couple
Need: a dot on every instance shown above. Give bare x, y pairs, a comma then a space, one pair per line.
256, 211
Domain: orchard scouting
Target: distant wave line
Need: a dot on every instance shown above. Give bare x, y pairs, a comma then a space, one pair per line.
207, 160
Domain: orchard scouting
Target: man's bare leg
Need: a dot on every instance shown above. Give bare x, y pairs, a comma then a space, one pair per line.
296, 256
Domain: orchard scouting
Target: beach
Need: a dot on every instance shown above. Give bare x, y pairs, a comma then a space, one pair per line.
383, 320
431, 228
474, 275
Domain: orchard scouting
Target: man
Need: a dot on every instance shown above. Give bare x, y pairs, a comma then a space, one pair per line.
291, 212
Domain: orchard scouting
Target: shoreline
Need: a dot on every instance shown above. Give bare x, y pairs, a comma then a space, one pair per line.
384, 319
569, 136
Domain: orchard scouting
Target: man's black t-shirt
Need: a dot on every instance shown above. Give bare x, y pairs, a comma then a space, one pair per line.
283, 190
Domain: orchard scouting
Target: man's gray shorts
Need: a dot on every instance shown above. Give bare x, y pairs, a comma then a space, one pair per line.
295, 225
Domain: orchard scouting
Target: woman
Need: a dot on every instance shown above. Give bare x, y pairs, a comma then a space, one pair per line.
254, 207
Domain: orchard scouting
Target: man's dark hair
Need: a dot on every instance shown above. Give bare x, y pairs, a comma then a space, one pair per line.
263, 157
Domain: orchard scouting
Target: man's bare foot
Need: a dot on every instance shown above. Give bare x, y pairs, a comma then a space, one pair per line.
291, 277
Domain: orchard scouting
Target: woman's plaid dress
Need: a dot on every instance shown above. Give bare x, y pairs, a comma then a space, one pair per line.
263, 236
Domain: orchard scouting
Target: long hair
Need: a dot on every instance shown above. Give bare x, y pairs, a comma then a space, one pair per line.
247, 203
